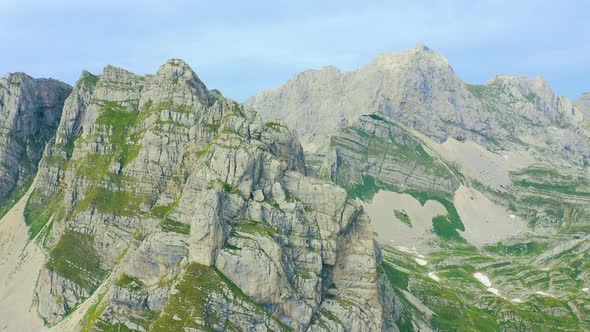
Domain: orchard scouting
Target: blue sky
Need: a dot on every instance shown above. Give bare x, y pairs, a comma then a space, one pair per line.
242, 47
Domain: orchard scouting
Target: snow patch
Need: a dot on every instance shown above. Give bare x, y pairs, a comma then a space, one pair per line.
433, 276
516, 300
494, 291
483, 279
586, 289
512, 216
406, 249
543, 293
420, 261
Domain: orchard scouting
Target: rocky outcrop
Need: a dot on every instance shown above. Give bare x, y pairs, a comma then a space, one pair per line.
30, 111
376, 154
418, 88
183, 209
583, 104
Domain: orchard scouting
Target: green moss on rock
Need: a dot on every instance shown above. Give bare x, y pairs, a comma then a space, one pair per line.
75, 258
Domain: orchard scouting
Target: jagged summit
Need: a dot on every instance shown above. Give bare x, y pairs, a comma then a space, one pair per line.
419, 88
177, 69
419, 55
154, 184
159, 205
30, 110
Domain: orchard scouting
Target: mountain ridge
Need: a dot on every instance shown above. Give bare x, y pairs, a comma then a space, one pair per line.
403, 90
160, 204
155, 186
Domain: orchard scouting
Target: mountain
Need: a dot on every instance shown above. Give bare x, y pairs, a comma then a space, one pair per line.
414, 202
583, 104
479, 194
419, 89
161, 205
31, 110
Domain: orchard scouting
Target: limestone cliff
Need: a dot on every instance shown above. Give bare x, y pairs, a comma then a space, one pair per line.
30, 110
583, 104
418, 88
168, 206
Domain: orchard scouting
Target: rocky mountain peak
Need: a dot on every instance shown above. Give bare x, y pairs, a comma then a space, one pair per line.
176, 69
419, 56
156, 182
585, 97
15, 77
112, 73
177, 75
30, 110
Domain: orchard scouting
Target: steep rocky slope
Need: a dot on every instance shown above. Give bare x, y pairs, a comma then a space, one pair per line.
457, 179
418, 88
30, 110
161, 205
583, 104
165, 206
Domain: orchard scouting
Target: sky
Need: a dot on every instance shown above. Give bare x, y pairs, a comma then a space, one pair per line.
243, 47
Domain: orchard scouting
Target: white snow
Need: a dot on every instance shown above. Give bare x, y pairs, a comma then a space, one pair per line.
406, 249
585, 289
516, 300
483, 279
420, 261
543, 293
421, 256
494, 291
512, 216
433, 276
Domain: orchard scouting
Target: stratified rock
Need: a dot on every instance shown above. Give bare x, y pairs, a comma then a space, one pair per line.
184, 210
583, 104
30, 110
418, 88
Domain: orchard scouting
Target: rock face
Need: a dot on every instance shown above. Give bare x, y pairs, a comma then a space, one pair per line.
30, 110
418, 88
508, 160
375, 149
162, 205
583, 104
173, 207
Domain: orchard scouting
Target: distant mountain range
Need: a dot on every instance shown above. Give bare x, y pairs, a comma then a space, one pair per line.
414, 202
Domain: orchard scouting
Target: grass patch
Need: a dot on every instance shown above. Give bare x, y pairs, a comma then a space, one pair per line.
274, 125
39, 209
121, 203
121, 121
94, 313
15, 194
129, 282
254, 227
228, 188
518, 249
70, 145
444, 228
89, 80
170, 225
188, 308
403, 217
75, 258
